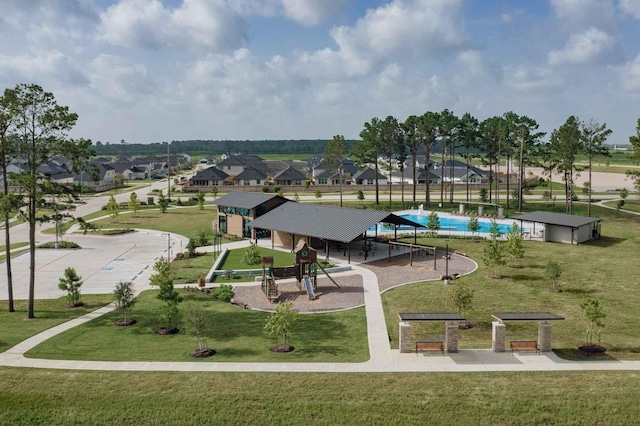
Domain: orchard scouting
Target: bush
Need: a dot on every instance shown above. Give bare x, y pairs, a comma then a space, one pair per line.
61, 244
224, 293
360, 195
276, 189
265, 189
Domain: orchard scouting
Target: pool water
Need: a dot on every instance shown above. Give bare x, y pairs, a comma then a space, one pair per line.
453, 224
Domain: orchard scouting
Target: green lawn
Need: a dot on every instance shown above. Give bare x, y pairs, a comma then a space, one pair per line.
184, 221
51, 397
189, 270
16, 327
633, 205
596, 269
236, 334
234, 259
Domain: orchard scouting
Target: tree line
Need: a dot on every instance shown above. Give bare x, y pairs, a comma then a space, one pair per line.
510, 140
33, 131
212, 147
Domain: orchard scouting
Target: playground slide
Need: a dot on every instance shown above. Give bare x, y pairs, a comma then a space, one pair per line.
309, 287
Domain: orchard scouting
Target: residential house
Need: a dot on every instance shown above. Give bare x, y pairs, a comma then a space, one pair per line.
290, 177
205, 179
233, 165
98, 177
250, 177
135, 172
368, 176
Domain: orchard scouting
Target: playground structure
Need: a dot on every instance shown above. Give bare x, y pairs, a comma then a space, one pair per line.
305, 270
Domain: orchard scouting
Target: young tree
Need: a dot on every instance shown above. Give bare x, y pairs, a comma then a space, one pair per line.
71, 283
124, 299
191, 247
214, 192
460, 297
113, 208
86, 226
280, 322
594, 314
594, 135
553, 271
195, 322
296, 197
473, 226
134, 203
251, 255
42, 126
200, 198
163, 203
163, 278
493, 254
515, 249
335, 153
433, 223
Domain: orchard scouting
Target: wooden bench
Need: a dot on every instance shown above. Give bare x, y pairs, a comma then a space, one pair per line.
524, 345
461, 253
430, 347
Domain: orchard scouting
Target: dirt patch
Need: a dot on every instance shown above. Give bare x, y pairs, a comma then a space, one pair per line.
127, 323
282, 348
164, 331
202, 353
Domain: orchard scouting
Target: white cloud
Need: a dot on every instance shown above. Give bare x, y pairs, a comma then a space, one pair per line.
400, 30
631, 7
194, 25
582, 14
531, 79
312, 12
585, 47
46, 67
629, 75
119, 80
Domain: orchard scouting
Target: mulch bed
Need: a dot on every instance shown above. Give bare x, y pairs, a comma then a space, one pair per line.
202, 353
281, 348
123, 323
166, 331
592, 349
73, 305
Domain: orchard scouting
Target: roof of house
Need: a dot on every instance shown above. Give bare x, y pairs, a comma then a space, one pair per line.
328, 223
236, 160
137, 169
327, 174
251, 174
368, 173
559, 219
290, 174
210, 173
245, 200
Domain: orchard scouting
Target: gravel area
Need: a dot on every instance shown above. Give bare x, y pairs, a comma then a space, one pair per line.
330, 297
397, 271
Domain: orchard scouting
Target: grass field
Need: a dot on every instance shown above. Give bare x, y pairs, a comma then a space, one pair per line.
16, 327
189, 270
236, 334
186, 221
629, 204
594, 269
53, 397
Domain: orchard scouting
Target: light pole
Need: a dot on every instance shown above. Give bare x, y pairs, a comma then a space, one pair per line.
168, 246
446, 262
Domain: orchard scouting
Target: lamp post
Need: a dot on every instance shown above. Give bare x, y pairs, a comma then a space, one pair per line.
168, 246
446, 262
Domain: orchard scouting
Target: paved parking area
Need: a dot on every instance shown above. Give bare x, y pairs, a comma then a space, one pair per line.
102, 262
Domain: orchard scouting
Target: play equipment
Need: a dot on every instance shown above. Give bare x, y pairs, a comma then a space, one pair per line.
305, 269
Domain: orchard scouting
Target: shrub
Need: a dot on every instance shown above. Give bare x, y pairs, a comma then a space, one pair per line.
224, 293
277, 188
360, 195
265, 189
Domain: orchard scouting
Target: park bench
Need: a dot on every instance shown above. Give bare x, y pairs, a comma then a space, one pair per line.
524, 345
461, 253
430, 347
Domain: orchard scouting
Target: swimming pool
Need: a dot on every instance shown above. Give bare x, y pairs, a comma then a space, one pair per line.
449, 223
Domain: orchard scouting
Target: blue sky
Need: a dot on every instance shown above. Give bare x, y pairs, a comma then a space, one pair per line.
152, 71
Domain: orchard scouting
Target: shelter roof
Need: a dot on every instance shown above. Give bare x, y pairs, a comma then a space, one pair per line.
526, 316
245, 200
558, 219
431, 316
325, 222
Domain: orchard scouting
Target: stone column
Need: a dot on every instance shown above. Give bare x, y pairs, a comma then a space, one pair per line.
497, 336
405, 337
461, 208
451, 337
544, 336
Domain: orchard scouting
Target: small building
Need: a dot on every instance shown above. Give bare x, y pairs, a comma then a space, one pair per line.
368, 176
205, 180
237, 209
290, 177
250, 177
135, 172
558, 227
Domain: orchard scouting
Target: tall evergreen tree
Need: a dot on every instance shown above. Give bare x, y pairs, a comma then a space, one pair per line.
42, 126
412, 143
335, 153
594, 136
367, 150
469, 136
566, 144
427, 131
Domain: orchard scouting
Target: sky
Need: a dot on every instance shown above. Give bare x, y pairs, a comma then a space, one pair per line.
148, 71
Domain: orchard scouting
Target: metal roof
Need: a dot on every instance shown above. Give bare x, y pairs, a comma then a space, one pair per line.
526, 316
558, 219
328, 223
431, 316
245, 200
